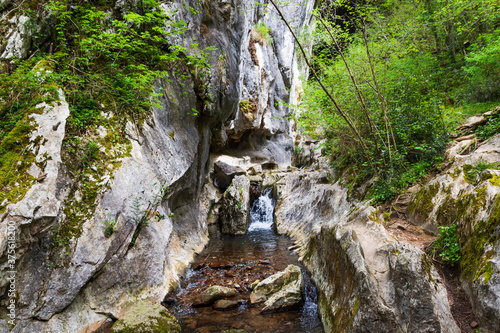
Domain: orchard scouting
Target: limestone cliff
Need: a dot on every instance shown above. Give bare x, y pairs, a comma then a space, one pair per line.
88, 282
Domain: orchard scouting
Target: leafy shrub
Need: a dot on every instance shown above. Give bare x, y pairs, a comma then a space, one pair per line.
110, 226
447, 246
490, 129
482, 68
262, 34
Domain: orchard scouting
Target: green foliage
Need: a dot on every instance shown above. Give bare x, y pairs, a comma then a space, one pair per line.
144, 209
395, 69
482, 68
109, 225
261, 33
447, 246
490, 129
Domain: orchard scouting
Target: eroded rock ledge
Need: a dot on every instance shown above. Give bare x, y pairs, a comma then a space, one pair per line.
368, 281
468, 194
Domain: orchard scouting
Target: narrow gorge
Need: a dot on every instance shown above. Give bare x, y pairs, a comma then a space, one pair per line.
122, 225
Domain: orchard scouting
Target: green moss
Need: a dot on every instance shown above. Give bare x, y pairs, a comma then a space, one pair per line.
485, 270
469, 173
146, 317
495, 180
89, 171
247, 106
422, 203
456, 173
428, 267
17, 154
472, 171
473, 247
354, 310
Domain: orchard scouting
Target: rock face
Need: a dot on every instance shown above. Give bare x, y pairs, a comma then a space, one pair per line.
146, 317
224, 174
468, 195
235, 209
214, 293
281, 291
60, 289
367, 281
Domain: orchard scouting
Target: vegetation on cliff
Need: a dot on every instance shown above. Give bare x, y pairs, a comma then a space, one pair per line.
105, 57
401, 74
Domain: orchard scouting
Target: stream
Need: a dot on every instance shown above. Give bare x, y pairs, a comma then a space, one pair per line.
237, 261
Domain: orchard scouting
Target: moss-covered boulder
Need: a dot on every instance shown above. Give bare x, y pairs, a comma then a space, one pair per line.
146, 317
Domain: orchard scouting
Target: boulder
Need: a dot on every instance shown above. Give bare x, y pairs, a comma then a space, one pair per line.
235, 208
146, 316
472, 123
281, 291
225, 304
212, 294
224, 174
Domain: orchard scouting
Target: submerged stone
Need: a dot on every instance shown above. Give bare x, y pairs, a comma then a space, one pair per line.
212, 294
225, 304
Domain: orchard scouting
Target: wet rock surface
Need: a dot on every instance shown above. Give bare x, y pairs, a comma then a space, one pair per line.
281, 291
224, 174
212, 294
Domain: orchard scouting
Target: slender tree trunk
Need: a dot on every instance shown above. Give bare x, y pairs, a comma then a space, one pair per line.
373, 129
383, 101
337, 106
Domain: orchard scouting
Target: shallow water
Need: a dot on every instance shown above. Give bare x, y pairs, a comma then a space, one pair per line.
237, 262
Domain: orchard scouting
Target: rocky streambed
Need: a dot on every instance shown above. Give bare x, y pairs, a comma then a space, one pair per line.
237, 264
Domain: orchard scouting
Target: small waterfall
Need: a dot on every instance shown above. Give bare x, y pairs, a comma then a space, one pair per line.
262, 211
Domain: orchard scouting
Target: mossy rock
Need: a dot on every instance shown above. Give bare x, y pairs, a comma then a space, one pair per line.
146, 317
422, 204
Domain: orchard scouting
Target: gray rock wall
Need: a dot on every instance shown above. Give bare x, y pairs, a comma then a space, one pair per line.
99, 276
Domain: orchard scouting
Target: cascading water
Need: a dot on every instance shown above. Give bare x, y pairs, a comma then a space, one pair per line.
237, 262
261, 212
